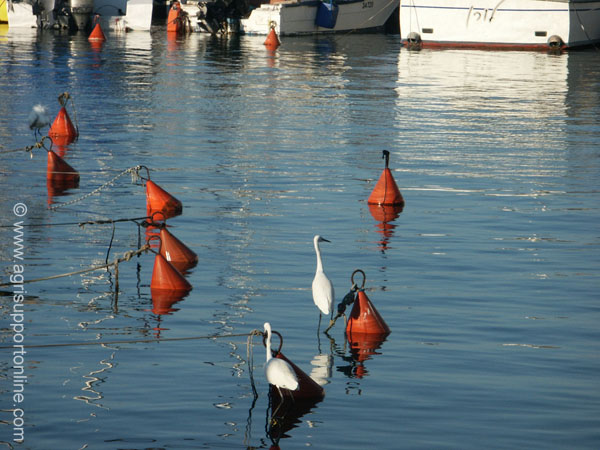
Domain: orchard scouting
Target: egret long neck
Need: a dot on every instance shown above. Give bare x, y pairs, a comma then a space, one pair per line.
319, 261
269, 355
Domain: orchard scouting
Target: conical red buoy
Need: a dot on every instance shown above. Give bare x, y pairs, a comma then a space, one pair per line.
386, 191
176, 252
62, 126
59, 170
97, 34
307, 387
165, 277
364, 318
272, 41
159, 200
60, 176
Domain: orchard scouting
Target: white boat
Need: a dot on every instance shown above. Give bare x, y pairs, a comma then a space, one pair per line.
120, 15
514, 24
17, 14
293, 17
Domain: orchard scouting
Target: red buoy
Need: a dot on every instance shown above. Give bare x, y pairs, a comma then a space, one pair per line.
307, 387
364, 318
165, 277
59, 170
386, 191
62, 127
176, 252
272, 41
97, 34
60, 176
159, 200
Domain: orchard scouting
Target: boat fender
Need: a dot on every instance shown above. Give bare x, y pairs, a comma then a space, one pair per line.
413, 41
555, 43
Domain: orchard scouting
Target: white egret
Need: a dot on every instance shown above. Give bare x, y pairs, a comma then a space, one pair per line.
38, 118
322, 289
279, 373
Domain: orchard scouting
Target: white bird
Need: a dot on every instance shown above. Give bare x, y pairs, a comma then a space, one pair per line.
279, 373
38, 118
322, 289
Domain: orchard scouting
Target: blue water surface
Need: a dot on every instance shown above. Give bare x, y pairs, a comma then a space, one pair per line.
488, 278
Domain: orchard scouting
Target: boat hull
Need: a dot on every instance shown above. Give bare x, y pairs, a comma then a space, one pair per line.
17, 14
112, 14
298, 18
511, 24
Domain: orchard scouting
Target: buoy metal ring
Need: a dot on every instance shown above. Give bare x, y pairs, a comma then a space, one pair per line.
147, 172
280, 340
154, 236
364, 278
163, 220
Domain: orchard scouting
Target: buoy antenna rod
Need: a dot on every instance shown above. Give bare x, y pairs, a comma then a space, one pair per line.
386, 156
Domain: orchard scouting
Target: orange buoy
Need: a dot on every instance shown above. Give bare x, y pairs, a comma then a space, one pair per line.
364, 318
386, 191
159, 200
97, 34
272, 41
59, 170
307, 387
62, 127
165, 277
60, 176
176, 252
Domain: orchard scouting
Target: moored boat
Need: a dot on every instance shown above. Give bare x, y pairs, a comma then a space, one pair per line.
77, 14
293, 17
17, 14
511, 24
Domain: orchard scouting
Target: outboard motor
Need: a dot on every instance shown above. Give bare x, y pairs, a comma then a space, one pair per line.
82, 12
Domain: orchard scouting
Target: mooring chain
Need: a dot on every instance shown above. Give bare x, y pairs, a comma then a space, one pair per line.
133, 170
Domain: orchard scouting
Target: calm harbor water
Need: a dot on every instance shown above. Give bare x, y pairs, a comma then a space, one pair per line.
488, 278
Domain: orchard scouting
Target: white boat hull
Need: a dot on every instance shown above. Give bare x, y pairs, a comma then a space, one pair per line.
500, 23
17, 15
298, 18
119, 15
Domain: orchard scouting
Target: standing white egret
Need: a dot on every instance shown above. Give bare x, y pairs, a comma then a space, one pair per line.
278, 372
38, 118
322, 289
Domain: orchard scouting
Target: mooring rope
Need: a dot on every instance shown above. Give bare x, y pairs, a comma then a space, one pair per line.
250, 358
126, 257
133, 341
133, 170
81, 224
29, 148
